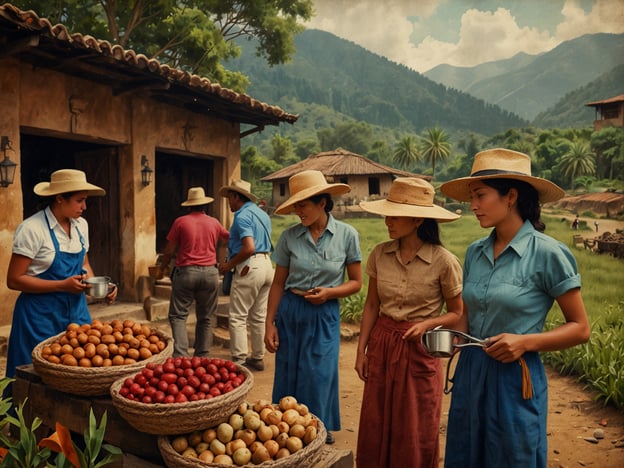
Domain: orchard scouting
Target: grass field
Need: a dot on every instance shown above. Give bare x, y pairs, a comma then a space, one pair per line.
598, 362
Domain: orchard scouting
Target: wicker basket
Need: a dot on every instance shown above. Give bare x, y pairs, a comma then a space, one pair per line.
180, 418
89, 381
306, 457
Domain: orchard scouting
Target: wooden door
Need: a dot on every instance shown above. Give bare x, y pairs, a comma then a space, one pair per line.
102, 168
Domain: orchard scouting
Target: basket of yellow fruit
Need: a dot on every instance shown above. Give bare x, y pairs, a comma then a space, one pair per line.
86, 359
283, 435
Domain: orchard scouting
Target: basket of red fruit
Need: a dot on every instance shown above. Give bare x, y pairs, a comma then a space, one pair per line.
181, 395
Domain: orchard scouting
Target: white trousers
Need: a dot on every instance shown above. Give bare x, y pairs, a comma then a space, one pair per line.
248, 307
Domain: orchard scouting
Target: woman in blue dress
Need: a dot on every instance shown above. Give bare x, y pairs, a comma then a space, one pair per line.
48, 263
511, 279
303, 315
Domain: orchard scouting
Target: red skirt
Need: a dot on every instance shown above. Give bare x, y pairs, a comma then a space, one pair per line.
402, 401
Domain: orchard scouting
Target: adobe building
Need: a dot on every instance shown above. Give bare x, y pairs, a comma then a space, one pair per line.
609, 113
72, 101
368, 179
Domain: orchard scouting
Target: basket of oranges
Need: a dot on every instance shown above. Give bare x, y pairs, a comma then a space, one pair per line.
181, 395
86, 359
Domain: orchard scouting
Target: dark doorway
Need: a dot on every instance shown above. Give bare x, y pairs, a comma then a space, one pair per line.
373, 186
43, 155
174, 176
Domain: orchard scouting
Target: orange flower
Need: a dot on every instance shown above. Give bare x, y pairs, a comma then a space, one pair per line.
61, 441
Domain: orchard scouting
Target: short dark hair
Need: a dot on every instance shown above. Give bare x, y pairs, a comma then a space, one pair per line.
329, 203
528, 199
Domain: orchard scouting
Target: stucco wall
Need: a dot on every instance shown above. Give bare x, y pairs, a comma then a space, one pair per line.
49, 103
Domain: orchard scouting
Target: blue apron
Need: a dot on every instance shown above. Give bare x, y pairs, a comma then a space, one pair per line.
37, 317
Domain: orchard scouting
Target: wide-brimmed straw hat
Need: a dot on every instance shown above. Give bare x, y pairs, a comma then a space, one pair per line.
240, 186
500, 163
411, 197
307, 184
65, 181
196, 197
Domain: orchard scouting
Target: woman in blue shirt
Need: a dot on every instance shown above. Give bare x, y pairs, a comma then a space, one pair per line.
303, 316
511, 279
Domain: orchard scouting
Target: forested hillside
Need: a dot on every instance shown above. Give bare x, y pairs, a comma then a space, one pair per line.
354, 82
570, 110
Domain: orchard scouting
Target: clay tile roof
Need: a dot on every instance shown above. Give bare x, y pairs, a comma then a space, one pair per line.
337, 163
35, 40
612, 100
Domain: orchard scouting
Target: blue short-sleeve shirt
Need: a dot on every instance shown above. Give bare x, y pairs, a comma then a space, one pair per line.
250, 221
320, 264
515, 293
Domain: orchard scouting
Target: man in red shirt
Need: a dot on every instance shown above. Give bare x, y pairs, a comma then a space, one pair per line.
195, 236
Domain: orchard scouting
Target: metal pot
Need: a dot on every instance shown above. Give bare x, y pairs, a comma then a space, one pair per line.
439, 341
100, 286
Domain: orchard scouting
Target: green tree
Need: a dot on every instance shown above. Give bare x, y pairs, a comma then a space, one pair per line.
353, 136
194, 35
435, 147
283, 153
608, 144
577, 161
406, 152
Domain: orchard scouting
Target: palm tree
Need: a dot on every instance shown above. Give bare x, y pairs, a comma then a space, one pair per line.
578, 160
435, 147
406, 152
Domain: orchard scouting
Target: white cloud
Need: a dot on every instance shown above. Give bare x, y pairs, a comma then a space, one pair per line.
385, 28
606, 16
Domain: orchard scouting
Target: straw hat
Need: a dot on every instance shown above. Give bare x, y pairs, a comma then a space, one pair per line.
65, 181
500, 163
240, 186
196, 197
306, 184
412, 197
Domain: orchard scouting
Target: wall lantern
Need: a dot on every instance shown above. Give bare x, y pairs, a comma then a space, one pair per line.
146, 171
7, 167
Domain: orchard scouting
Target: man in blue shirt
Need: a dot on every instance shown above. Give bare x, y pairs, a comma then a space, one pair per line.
249, 255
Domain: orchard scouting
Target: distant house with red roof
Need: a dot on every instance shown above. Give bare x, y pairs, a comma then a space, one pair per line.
609, 113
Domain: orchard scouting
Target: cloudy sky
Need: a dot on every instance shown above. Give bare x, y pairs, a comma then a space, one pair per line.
424, 33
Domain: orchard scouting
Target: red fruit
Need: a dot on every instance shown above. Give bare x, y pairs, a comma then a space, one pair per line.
169, 378
169, 399
209, 379
181, 398
146, 399
218, 362
228, 387
172, 389
150, 391
229, 365
179, 372
169, 367
214, 391
153, 381
148, 373
158, 370
232, 376
196, 362
162, 386
200, 371
182, 381
159, 397
188, 372
201, 395
194, 381
194, 397
129, 381
235, 383
124, 391
186, 363
187, 390
212, 369
135, 388
220, 386
140, 379
177, 362
208, 396
217, 377
204, 387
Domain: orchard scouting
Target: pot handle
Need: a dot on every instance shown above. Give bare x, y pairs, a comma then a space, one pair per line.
448, 380
472, 341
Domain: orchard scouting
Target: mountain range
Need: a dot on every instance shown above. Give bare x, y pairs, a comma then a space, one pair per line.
528, 84
330, 80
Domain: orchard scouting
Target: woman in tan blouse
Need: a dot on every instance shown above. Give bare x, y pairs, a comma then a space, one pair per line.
411, 278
